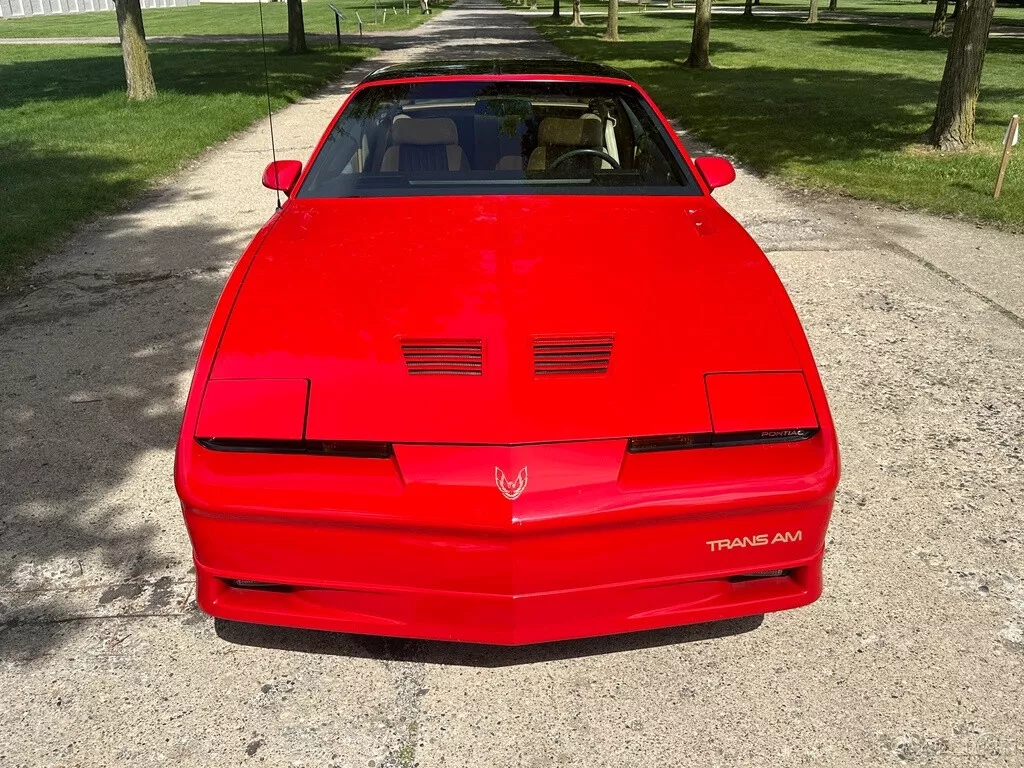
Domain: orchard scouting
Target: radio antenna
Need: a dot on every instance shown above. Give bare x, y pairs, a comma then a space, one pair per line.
270, 112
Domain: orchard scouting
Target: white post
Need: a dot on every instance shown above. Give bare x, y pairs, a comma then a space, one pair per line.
1009, 141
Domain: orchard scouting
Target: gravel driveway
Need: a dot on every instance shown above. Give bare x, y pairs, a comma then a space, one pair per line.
913, 656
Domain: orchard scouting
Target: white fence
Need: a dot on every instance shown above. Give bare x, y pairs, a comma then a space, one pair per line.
17, 8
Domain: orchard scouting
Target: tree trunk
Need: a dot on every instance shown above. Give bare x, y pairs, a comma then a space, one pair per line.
296, 28
611, 34
556, 12
533, 5
939, 19
137, 71
699, 57
833, 5
953, 125
956, 9
671, 4
812, 15
748, 8
577, 20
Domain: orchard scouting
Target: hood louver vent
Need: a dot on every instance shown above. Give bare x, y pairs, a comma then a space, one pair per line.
444, 357
571, 355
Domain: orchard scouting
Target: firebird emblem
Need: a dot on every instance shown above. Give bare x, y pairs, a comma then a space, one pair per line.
510, 489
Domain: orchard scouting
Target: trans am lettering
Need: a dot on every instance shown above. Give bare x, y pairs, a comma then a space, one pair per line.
758, 540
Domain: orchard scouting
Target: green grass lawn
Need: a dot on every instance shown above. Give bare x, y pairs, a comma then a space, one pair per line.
834, 106
1007, 13
223, 19
72, 146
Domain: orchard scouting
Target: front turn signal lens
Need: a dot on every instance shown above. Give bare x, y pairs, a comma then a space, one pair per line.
353, 449
716, 440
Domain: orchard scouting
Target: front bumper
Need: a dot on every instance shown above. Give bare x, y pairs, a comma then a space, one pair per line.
508, 619
424, 546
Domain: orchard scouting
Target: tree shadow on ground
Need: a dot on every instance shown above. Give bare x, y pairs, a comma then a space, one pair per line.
833, 106
471, 654
683, 45
72, 146
886, 40
771, 115
44, 183
66, 73
99, 347
97, 353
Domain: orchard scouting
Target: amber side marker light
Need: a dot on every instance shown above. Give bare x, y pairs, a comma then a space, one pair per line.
717, 440
351, 449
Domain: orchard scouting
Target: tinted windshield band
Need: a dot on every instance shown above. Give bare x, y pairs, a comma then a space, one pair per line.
502, 137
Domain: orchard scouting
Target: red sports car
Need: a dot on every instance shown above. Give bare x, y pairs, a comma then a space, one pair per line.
501, 370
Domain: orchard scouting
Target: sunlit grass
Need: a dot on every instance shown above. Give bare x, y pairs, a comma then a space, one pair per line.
224, 19
72, 146
835, 106
895, 11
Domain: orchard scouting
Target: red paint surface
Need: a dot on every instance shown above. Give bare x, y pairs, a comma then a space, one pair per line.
424, 544
271, 409
717, 171
743, 402
282, 175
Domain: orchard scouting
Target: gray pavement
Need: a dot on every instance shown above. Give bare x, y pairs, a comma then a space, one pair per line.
913, 656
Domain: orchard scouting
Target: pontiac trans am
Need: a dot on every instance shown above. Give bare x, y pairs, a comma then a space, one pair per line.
501, 370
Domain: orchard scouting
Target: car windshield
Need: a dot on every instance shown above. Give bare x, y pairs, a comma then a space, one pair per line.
497, 137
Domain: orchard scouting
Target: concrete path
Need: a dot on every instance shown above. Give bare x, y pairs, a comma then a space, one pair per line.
914, 655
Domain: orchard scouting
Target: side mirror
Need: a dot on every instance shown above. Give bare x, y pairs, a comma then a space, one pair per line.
717, 171
282, 175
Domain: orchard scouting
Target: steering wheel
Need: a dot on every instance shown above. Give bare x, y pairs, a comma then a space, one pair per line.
585, 151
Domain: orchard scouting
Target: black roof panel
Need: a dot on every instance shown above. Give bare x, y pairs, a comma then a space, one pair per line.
495, 67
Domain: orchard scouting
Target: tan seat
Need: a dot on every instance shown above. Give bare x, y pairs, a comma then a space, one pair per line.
510, 163
558, 135
423, 144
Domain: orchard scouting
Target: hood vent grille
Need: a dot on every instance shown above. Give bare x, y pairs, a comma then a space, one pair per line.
444, 357
571, 355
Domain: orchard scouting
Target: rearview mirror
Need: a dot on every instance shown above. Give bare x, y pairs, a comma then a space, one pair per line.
717, 171
282, 175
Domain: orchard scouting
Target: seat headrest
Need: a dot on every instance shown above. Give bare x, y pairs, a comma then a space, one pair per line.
568, 132
424, 130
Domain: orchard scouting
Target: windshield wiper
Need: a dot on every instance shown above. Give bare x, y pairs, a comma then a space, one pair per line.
493, 182
382, 180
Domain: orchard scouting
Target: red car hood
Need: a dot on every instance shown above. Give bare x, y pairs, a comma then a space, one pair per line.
337, 285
